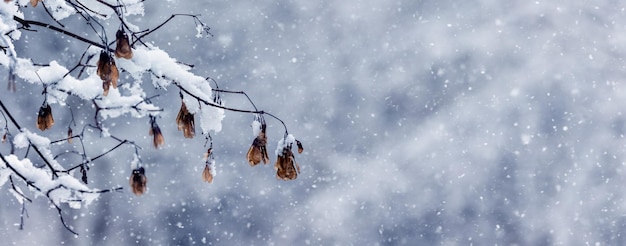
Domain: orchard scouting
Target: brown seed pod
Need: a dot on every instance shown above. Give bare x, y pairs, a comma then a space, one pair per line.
258, 149
155, 132
108, 72
185, 122
104, 67
286, 166
138, 181
44, 118
122, 48
32, 2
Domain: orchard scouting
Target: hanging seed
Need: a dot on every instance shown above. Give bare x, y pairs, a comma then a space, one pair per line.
286, 166
155, 132
44, 118
185, 122
258, 149
108, 72
206, 174
122, 49
138, 181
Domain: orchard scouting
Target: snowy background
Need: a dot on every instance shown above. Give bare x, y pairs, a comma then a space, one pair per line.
424, 122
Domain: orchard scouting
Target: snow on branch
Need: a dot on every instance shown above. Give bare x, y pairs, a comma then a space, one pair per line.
95, 78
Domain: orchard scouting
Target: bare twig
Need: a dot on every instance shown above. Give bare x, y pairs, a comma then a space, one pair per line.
45, 160
27, 23
261, 112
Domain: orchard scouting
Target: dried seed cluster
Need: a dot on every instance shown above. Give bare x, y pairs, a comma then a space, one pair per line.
185, 122
286, 166
155, 132
107, 70
258, 149
44, 117
138, 181
122, 49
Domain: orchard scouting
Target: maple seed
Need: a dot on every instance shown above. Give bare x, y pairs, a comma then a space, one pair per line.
122, 49
206, 174
155, 132
138, 181
286, 166
107, 70
258, 149
104, 69
44, 118
185, 122
158, 139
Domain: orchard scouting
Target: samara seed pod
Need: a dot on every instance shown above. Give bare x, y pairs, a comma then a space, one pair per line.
286, 166
44, 118
122, 48
185, 122
138, 181
207, 176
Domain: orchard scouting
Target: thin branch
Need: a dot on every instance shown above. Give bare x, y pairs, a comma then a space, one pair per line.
69, 152
4, 109
216, 105
50, 14
147, 33
97, 157
28, 182
16, 191
162, 24
281, 121
230, 109
61, 215
27, 23
86, 161
87, 9
24, 212
64, 139
79, 63
238, 92
52, 170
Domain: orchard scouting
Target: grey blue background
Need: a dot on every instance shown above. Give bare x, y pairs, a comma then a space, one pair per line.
424, 123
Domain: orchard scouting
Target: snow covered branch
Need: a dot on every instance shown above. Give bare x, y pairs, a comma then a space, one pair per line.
98, 83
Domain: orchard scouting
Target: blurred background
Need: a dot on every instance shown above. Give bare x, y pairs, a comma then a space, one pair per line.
424, 122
